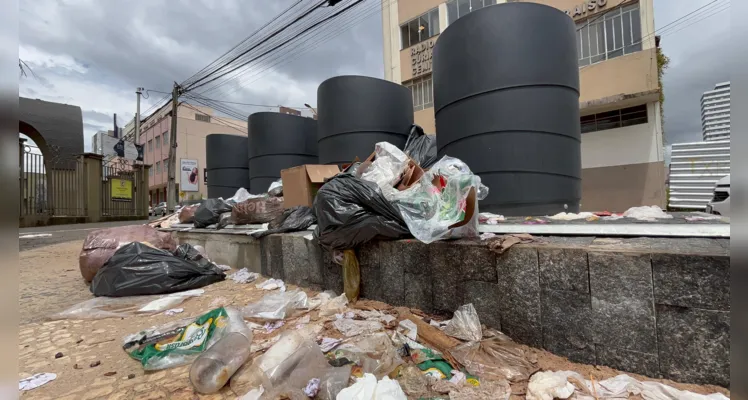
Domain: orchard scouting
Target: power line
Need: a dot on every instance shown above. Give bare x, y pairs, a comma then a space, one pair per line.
255, 33
315, 38
357, 2
199, 95
220, 121
282, 29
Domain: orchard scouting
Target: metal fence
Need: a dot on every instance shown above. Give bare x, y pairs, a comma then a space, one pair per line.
695, 169
118, 189
51, 187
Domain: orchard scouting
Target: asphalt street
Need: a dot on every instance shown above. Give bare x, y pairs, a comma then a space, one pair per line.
31, 238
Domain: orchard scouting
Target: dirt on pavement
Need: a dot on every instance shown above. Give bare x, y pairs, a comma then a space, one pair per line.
51, 282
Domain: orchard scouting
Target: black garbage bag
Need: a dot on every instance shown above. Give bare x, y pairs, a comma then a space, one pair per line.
137, 269
209, 212
351, 211
293, 219
421, 147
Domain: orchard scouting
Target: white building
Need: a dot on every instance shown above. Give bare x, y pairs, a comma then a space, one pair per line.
715, 112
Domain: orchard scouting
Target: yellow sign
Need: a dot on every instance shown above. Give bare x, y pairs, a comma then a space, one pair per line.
121, 189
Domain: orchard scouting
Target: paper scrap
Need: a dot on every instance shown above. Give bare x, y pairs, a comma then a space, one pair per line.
173, 311
329, 344
408, 328
272, 284
312, 387
244, 276
35, 381
271, 327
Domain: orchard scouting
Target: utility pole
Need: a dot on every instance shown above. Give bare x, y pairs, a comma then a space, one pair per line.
138, 91
171, 185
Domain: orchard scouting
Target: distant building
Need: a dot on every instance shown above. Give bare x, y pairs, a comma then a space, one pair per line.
715, 112
97, 141
695, 169
194, 123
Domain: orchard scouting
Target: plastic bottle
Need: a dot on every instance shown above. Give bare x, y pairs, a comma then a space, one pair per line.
213, 368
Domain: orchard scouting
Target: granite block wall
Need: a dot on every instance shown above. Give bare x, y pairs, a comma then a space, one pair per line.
657, 307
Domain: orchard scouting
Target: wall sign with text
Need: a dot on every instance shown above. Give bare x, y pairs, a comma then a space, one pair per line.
421, 56
589, 6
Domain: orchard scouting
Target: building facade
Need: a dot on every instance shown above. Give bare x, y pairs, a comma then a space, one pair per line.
715, 113
622, 147
194, 123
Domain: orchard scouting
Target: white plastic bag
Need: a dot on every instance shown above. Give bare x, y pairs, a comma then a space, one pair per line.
367, 388
646, 213
386, 169
465, 324
277, 305
439, 200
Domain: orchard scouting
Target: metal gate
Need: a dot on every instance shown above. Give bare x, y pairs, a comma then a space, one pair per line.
118, 189
51, 187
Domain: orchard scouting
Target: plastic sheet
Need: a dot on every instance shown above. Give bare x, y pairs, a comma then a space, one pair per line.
421, 147
646, 213
241, 195
276, 188
351, 211
386, 169
367, 388
181, 342
465, 324
437, 206
333, 306
350, 327
120, 307
257, 211
277, 305
547, 385
137, 269
335, 380
209, 212
293, 219
374, 353
290, 362
101, 244
496, 358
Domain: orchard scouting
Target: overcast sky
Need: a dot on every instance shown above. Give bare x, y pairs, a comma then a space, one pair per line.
94, 53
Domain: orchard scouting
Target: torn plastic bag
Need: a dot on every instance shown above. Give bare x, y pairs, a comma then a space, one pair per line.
181, 342
293, 360
496, 358
101, 244
210, 211
421, 147
386, 169
187, 214
224, 220
277, 305
367, 388
335, 380
351, 275
276, 189
257, 211
351, 211
241, 195
120, 307
138, 269
465, 324
375, 354
293, 219
192, 253
443, 204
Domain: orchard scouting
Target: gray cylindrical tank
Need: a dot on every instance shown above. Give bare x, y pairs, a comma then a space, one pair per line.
276, 142
506, 99
356, 112
226, 164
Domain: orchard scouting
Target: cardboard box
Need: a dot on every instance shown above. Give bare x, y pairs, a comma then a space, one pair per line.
300, 184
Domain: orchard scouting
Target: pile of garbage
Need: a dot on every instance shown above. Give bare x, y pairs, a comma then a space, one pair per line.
289, 345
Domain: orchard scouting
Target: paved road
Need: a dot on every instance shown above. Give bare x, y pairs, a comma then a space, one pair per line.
31, 238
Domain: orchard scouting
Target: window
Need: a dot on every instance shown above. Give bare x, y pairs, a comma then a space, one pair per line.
158, 167
610, 35
166, 137
419, 29
150, 145
203, 118
150, 171
158, 141
422, 90
459, 8
614, 119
